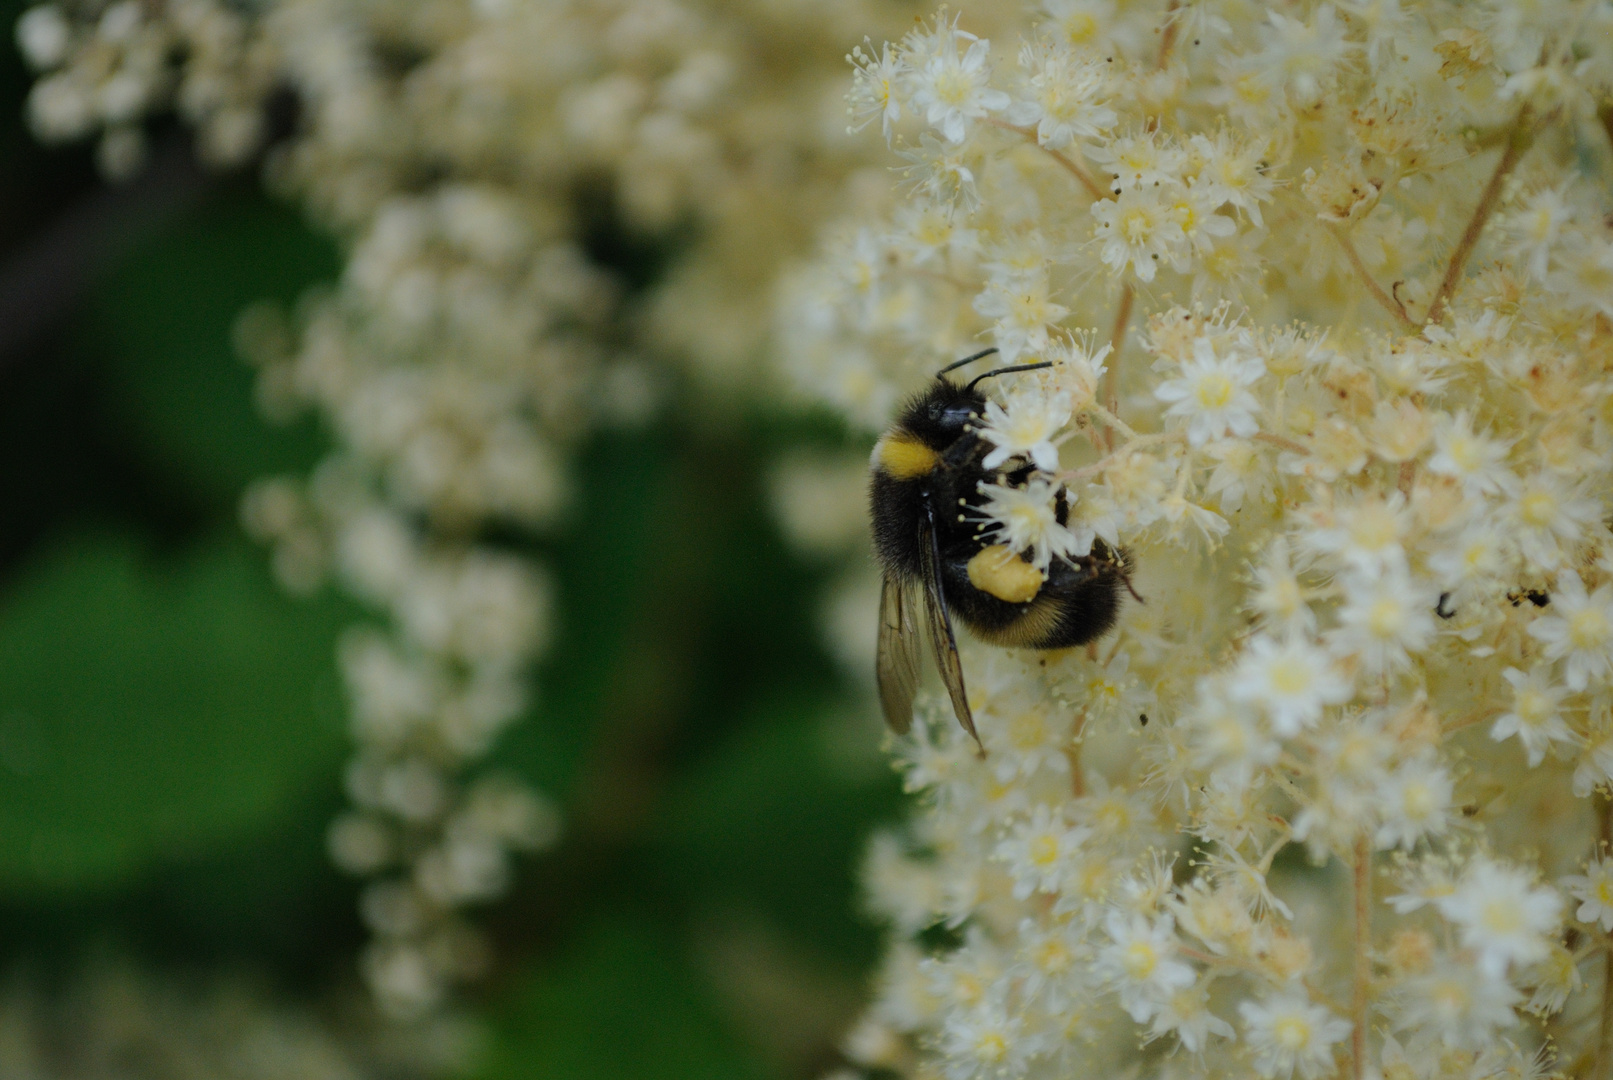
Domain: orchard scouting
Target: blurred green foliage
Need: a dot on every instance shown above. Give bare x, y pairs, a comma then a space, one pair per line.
171, 724
153, 710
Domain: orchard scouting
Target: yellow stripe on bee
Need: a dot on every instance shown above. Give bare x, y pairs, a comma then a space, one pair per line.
1028, 631
904, 457
1003, 574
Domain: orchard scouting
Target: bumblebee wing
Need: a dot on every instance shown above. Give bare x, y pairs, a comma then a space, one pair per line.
897, 670
940, 622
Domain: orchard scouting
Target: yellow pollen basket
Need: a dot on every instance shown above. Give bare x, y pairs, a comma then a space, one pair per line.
998, 571
904, 457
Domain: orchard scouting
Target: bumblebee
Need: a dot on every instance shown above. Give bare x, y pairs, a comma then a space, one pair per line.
926, 508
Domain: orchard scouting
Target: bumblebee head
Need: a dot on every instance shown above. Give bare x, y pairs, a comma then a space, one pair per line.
944, 413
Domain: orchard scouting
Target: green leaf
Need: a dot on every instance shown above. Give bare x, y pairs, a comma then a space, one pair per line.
620, 1003
768, 822
154, 710
163, 321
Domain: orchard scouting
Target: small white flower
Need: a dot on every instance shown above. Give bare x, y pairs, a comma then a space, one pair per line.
1213, 392
1594, 890
1025, 519
1293, 681
876, 88
1478, 462
1039, 852
1141, 962
1021, 311
1302, 57
1229, 741
1277, 595
1141, 161
1384, 621
1536, 715
985, 1041
1471, 560
1535, 226
1028, 424
1580, 630
952, 90
1187, 1015
1502, 915
1230, 172
1065, 99
1414, 802
1458, 1005
1288, 1033
1052, 958
1367, 536
1595, 768
1549, 516
1140, 229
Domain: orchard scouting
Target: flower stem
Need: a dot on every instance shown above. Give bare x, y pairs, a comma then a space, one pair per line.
1085, 178
1604, 1031
1389, 303
1517, 142
1111, 375
1285, 444
1167, 34
1360, 987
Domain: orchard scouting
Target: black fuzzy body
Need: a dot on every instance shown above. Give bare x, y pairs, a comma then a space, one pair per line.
1077, 603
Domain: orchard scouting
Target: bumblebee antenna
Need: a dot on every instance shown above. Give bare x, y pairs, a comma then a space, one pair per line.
1009, 370
966, 360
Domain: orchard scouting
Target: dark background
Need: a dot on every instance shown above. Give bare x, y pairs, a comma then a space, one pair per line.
172, 726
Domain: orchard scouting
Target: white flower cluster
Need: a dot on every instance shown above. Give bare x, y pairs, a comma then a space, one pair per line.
108, 65
460, 150
1334, 799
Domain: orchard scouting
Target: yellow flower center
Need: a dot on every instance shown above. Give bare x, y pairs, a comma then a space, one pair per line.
991, 1047
1053, 956
1291, 1033
1537, 508
1136, 224
1080, 27
1532, 707
1213, 390
1464, 451
1588, 629
1386, 617
1140, 960
1500, 917
1418, 801
1290, 678
952, 86
1112, 815
1044, 850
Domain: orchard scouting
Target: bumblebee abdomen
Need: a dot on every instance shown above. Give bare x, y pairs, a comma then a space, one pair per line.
1075, 605
896, 509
